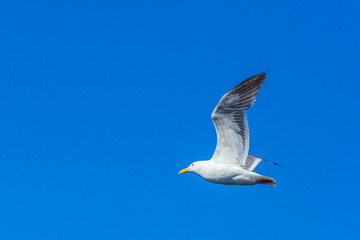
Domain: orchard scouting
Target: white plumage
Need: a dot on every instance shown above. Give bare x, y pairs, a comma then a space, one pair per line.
231, 164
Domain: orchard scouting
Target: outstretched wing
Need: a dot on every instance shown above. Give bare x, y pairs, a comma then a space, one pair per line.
251, 162
231, 123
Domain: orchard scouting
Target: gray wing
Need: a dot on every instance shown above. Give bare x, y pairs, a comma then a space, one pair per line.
231, 123
252, 161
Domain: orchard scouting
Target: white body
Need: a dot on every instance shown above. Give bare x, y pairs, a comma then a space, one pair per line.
224, 173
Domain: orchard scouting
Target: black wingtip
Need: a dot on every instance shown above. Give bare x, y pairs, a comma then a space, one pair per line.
260, 75
251, 82
272, 163
257, 76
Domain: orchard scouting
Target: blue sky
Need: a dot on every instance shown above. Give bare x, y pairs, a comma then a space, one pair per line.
103, 102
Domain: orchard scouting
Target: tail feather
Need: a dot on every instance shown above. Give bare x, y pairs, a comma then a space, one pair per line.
272, 184
267, 181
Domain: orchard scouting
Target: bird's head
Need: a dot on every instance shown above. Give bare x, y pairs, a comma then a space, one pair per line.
194, 167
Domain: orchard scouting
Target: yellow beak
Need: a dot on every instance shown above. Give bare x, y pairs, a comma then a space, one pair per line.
184, 171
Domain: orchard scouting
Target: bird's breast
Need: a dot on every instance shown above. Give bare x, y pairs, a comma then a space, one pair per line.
225, 174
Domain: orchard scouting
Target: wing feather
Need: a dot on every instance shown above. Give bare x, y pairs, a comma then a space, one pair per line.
231, 123
251, 162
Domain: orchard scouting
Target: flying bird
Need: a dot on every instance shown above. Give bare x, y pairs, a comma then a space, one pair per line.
231, 163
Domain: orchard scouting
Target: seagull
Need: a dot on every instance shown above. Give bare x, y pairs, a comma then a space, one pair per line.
231, 163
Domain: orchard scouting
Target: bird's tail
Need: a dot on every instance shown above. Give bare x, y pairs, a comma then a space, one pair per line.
267, 181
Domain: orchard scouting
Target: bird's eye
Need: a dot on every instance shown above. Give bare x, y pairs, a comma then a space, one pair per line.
192, 164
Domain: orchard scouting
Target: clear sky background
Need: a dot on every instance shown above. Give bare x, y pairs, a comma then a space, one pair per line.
103, 102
